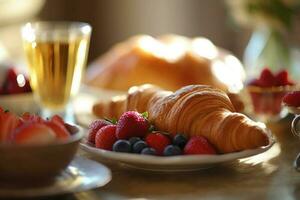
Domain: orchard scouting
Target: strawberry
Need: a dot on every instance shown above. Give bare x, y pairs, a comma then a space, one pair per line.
94, 127
267, 79
57, 119
1, 110
106, 137
158, 141
132, 124
27, 117
8, 122
282, 78
199, 145
60, 130
292, 99
33, 133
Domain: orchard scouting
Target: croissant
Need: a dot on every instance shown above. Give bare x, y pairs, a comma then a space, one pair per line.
192, 110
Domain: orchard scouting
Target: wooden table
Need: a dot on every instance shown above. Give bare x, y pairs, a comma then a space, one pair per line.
267, 176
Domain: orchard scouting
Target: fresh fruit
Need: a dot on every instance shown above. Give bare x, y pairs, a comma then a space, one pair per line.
157, 141
57, 119
267, 79
180, 140
139, 146
131, 124
172, 150
134, 140
27, 117
122, 146
94, 127
265, 99
8, 122
106, 137
148, 151
199, 145
60, 131
292, 99
33, 133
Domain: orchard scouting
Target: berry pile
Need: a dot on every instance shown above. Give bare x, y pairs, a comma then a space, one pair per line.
31, 129
268, 100
134, 134
14, 83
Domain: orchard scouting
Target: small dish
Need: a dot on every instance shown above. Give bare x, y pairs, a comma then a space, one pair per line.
172, 163
22, 164
266, 103
82, 174
19, 103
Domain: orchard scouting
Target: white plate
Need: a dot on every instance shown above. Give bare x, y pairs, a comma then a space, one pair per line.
172, 163
81, 175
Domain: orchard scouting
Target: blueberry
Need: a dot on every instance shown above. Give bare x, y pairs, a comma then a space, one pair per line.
148, 151
122, 146
133, 140
172, 150
180, 140
139, 146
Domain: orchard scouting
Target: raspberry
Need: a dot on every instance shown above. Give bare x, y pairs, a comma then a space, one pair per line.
94, 127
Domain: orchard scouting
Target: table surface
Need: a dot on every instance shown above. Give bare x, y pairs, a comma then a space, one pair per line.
266, 176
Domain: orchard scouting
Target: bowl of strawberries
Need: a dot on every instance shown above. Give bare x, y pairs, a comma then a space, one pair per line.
15, 91
266, 93
33, 149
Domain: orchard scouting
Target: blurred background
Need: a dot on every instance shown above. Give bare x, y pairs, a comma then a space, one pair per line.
115, 20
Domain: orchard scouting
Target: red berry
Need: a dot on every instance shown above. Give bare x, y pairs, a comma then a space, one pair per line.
60, 130
94, 127
282, 78
106, 137
8, 122
131, 124
267, 78
158, 141
292, 99
199, 145
33, 133
27, 117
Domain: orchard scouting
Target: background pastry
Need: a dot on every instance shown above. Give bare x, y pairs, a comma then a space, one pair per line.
169, 61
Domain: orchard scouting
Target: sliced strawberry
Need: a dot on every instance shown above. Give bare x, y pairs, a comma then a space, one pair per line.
267, 79
60, 130
8, 122
1, 110
33, 133
27, 117
58, 119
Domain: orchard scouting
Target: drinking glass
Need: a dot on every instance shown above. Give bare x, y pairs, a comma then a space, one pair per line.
56, 53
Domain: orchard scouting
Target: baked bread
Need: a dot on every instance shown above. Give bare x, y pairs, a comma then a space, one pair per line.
191, 110
169, 61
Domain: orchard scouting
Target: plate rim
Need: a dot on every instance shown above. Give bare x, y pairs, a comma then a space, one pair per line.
136, 159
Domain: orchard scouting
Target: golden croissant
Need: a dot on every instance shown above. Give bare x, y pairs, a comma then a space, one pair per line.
192, 110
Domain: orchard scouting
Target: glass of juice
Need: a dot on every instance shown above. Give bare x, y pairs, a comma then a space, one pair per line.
56, 53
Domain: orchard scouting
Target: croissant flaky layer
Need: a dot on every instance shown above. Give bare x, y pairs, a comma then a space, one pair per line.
192, 110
